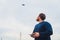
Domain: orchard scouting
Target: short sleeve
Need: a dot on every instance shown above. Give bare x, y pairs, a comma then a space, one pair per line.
36, 29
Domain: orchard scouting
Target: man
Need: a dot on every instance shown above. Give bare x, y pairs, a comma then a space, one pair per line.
42, 30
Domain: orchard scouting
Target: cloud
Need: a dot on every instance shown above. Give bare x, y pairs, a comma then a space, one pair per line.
15, 19
11, 28
56, 37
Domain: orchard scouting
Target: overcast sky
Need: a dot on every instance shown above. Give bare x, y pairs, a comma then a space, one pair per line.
15, 18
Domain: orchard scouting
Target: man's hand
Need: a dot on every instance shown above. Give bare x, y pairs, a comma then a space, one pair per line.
35, 35
32, 34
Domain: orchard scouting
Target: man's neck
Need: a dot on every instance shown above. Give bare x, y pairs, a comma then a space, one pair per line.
41, 21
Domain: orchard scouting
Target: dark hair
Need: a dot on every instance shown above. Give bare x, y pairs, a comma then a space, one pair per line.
42, 16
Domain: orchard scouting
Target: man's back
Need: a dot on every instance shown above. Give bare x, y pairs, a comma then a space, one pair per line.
44, 29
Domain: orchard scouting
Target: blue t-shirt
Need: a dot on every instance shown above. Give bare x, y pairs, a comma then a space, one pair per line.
45, 30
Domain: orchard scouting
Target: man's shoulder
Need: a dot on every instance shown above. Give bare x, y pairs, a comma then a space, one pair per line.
46, 22
42, 23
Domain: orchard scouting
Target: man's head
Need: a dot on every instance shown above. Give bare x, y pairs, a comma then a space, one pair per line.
41, 17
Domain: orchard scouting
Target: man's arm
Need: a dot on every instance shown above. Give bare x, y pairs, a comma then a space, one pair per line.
35, 32
35, 35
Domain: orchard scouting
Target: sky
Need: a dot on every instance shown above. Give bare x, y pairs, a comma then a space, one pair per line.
15, 18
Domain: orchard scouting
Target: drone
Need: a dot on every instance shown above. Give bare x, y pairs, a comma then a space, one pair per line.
23, 4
